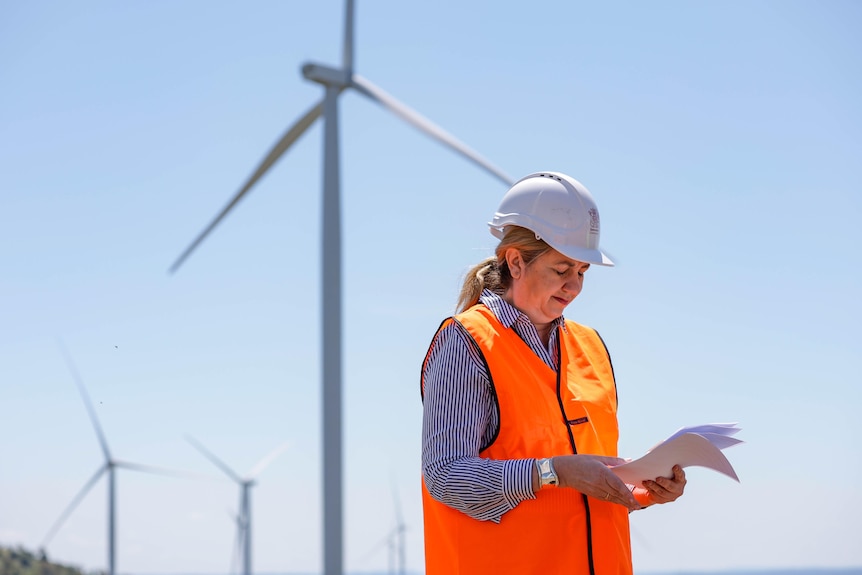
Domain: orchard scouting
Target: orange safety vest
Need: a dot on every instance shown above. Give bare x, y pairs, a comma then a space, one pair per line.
542, 413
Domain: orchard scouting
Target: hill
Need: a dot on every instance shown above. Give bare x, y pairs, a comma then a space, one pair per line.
22, 562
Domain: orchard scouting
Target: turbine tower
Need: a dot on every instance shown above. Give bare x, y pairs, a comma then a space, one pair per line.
109, 467
334, 81
243, 519
397, 558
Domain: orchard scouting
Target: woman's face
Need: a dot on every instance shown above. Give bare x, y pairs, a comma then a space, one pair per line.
544, 288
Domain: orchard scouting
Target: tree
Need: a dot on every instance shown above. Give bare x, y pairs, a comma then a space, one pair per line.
19, 561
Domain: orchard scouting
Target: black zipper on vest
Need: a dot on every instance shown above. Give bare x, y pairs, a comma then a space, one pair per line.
574, 449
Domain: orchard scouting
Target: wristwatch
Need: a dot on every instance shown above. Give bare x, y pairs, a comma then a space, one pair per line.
547, 475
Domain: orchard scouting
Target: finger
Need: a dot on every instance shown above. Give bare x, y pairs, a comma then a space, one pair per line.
665, 483
657, 493
610, 461
677, 477
665, 490
661, 491
618, 492
654, 487
619, 499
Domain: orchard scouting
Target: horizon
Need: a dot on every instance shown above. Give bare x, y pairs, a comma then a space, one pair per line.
803, 570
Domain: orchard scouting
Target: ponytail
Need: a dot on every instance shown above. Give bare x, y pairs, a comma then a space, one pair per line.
485, 274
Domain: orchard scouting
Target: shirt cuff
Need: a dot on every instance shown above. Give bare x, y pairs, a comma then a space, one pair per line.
518, 480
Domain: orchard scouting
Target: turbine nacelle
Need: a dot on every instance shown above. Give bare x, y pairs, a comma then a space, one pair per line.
327, 75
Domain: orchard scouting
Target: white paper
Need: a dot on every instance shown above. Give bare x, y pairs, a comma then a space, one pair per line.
699, 445
726, 429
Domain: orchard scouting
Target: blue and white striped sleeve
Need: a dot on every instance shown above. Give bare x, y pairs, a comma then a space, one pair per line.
459, 416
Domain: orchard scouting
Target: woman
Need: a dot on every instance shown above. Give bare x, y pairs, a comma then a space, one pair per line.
519, 406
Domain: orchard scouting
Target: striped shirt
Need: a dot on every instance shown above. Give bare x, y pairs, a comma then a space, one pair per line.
460, 418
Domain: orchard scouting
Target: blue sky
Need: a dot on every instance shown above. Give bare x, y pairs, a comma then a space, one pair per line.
721, 142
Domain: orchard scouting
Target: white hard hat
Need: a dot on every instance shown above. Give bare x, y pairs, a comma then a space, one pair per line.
559, 210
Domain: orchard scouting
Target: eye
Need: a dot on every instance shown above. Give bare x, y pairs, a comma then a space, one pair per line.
562, 273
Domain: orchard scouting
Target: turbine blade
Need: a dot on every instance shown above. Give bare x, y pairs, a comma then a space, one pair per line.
347, 54
71, 507
158, 470
236, 551
274, 154
374, 549
87, 403
425, 125
266, 460
215, 460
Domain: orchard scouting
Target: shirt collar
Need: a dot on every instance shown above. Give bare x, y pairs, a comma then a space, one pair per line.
508, 314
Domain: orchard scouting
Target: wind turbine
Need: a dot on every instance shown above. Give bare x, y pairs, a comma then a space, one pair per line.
109, 467
243, 518
334, 82
396, 538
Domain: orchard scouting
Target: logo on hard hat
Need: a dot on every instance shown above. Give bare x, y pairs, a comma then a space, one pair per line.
594, 221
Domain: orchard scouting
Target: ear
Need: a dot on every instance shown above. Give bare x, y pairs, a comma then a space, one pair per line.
515, 263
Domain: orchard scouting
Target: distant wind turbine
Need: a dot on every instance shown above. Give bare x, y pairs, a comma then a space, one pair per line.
243, 518
394, 541
335, 81
110, 466
396, 548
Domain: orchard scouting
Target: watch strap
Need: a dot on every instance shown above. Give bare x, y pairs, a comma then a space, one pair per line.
547, 475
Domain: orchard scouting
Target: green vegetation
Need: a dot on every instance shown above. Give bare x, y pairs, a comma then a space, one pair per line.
22, 562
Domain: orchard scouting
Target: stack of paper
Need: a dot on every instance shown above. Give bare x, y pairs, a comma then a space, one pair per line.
698, 445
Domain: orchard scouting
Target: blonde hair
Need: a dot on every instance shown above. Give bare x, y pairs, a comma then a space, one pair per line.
493, 272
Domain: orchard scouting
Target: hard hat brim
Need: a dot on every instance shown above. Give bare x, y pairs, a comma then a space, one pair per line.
586, 255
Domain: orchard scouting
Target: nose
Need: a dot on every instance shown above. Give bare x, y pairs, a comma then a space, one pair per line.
574, 284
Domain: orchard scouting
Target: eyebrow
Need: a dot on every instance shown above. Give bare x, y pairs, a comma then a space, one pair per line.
574, 265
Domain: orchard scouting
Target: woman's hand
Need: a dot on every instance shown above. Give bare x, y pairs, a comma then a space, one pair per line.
664, 489
592, 476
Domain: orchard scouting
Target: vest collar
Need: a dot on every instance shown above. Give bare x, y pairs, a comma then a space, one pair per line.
507, 314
